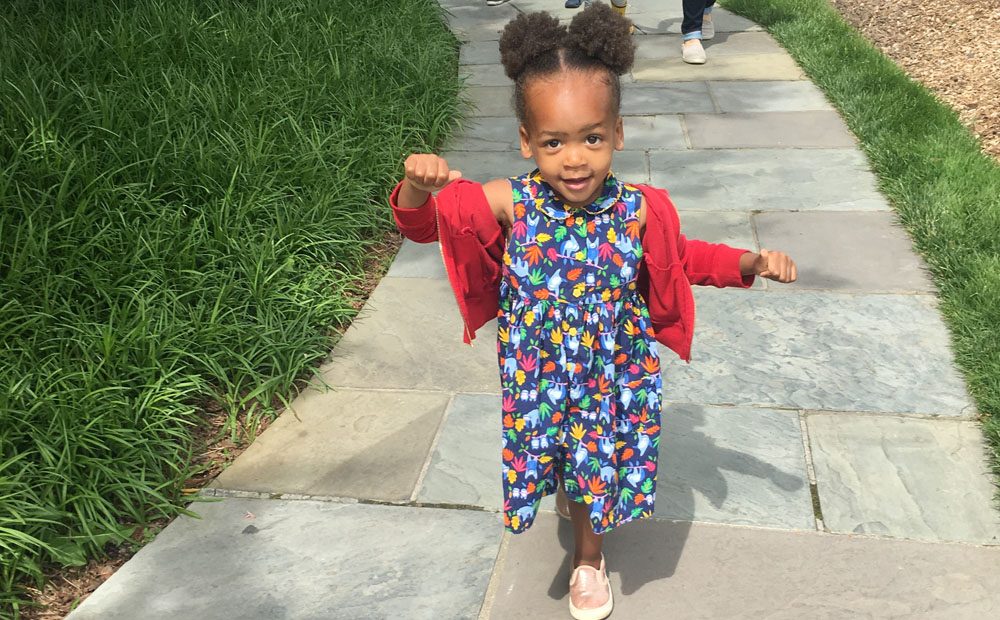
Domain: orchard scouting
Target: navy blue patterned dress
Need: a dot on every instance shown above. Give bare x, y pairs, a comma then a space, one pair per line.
579, 368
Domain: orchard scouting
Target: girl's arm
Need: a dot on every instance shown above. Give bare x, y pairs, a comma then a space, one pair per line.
427, 173
767, 264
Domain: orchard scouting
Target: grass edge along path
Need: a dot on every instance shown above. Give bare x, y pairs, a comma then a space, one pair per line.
945, 190
187, 192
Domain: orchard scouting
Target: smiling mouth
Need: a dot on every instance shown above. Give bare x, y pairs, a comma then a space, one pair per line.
577, 183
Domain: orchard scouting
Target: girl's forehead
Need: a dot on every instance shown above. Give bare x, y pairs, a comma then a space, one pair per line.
567, 99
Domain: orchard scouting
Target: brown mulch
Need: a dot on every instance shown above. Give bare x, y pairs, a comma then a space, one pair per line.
69, 586
951, 46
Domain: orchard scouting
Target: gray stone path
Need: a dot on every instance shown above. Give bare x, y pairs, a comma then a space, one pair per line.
819, 457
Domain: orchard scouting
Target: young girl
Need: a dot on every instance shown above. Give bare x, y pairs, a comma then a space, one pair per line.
584, 273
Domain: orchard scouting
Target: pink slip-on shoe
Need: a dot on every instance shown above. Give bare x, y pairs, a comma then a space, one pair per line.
590, 593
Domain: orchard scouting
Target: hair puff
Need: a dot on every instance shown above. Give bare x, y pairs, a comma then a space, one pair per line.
526, 37
603, 34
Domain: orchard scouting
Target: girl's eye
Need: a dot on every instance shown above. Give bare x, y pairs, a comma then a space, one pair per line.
593, 139
552, 144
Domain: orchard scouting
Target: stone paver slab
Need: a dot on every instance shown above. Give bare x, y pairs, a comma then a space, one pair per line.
479, 53
479, 22
729, 227
484, 75
653, 16
465, 467
662, 131
341, 441
302, 560
768, 180
489, 100
720, 464
482, 166
733, 465
755, 67
661, 569
768, 96
845, 251
418, 260
552, 8
488, 133
664, 99
409, 336
904, 477
661, 46
816, 129
826, 351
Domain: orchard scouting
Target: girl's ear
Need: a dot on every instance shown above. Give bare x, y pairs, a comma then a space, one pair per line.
619, 135
525, 142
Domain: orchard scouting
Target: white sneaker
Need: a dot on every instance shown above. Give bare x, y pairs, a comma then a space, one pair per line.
495, 2
707, 28
693, 53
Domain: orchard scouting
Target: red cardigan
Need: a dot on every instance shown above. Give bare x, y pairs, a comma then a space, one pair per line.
473, 244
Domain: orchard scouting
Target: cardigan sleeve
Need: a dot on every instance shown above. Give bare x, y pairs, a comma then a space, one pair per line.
418, 224
711, 264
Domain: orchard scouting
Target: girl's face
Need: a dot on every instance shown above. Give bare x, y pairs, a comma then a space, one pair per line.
572, 133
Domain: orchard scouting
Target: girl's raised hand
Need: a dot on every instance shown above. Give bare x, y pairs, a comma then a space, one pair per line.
427, 172
775, 266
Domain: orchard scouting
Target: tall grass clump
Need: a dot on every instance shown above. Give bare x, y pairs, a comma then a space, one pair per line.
187, 191
945, 189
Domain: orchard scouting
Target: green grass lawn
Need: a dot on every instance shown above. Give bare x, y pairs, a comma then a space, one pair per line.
187, 192
946, 191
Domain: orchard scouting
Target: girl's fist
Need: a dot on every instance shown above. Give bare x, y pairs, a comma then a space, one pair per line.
776, 266
427, 172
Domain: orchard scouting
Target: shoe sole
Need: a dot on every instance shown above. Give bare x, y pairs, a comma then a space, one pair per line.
695, 61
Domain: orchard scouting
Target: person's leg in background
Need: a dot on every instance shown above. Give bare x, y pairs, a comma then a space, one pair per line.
697, 20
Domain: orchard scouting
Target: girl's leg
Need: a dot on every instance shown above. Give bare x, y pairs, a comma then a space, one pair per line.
588, 544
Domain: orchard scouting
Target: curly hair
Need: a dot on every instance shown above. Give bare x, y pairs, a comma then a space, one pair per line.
536, 45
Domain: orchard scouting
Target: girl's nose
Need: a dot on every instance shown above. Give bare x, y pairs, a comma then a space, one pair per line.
574, 158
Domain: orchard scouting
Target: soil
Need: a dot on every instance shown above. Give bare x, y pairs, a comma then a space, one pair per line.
67, 587
950, 46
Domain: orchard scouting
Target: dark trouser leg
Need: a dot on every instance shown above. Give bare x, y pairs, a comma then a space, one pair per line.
693, 12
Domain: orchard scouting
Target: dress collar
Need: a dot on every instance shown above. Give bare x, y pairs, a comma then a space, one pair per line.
555, 208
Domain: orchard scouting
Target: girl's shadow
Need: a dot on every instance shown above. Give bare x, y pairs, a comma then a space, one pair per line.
648, 550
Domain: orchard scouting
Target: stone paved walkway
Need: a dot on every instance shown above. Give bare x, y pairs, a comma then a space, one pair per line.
819, 456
